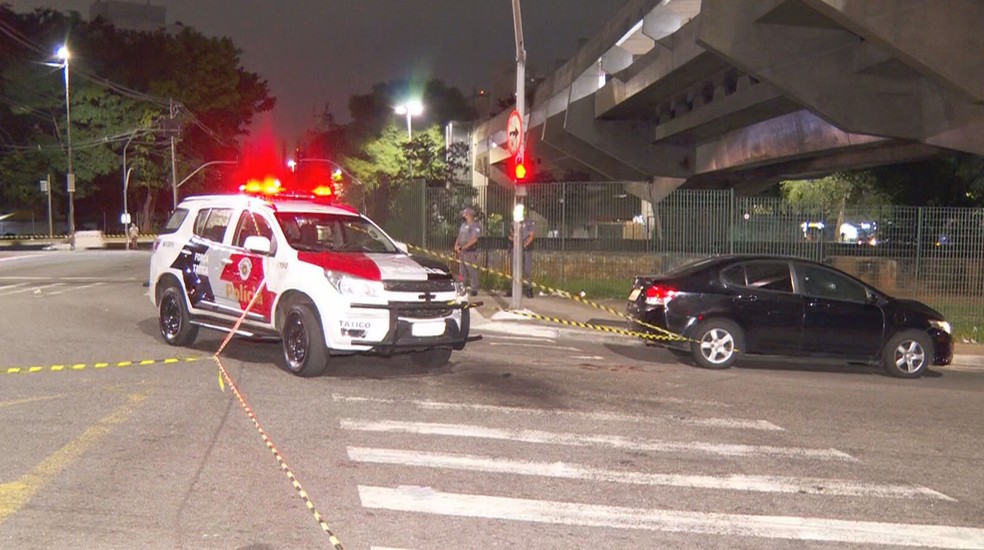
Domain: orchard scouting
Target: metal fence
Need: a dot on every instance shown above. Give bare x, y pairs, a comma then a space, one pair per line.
596, 236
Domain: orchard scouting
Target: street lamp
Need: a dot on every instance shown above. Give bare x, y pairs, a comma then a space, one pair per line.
411, 109
65, 55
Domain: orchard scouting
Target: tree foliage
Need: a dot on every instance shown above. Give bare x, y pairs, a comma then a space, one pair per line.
123, 86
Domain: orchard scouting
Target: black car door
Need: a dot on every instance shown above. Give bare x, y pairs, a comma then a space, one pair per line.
766, 306
841, 320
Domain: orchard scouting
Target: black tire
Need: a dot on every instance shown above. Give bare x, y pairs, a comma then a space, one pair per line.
717, 344
305, 353
173, 318
431, 359
908, 354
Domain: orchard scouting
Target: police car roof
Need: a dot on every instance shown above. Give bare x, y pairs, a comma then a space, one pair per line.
280, 204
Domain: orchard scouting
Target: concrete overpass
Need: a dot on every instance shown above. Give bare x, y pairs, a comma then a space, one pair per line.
742, 93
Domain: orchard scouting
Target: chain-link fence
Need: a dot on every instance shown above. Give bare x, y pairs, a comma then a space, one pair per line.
596, 237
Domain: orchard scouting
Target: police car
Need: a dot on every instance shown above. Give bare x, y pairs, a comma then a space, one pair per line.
319, 276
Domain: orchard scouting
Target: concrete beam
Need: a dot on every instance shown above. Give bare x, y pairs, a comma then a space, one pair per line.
941, 38
628, 142
836, 73
794, 135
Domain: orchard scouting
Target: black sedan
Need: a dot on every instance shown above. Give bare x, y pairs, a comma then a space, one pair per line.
728, 306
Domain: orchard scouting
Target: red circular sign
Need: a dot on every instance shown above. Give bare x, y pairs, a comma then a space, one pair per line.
514, 133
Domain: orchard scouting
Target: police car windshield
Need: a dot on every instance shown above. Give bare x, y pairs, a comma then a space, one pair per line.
318, 231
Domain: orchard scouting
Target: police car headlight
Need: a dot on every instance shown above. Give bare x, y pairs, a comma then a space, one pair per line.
942, 325
347, 285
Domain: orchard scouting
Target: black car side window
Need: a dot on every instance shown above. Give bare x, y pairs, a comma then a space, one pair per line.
734, 275
769, 275
823, 283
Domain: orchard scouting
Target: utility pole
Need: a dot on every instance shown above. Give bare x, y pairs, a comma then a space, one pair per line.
174, 162
70, 183
46, 188
519, 190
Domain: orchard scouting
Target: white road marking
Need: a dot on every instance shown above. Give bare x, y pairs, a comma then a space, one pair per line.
585, 357
736, 423
763, 484
12, 258
73, 289
37, 289
429, 501
8, 287
588, 440
80, 279
543, 346
25, 278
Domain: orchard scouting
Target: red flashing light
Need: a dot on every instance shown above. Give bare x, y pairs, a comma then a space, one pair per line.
269, 186
659, 296
323, 191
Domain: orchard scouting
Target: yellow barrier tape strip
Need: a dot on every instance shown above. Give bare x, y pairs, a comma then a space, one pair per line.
224, 375
600, 328
561, 292
99, 366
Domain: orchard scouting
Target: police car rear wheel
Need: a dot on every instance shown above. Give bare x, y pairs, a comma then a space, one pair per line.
432, 358
304, 342
174, 321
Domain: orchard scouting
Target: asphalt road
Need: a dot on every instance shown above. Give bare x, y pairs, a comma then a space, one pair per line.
524, 441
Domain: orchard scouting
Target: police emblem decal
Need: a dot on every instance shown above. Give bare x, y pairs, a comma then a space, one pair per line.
245, 268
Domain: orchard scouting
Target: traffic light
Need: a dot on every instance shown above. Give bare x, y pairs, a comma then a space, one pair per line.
519, 172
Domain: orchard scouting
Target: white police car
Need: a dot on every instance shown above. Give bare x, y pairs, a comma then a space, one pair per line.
323, 279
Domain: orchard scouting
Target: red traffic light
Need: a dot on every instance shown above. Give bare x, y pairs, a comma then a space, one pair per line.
519, 171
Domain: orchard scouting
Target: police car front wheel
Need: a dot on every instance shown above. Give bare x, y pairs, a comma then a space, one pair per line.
304, 342
173, 318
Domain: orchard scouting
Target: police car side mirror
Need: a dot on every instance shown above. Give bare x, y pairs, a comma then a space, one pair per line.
402, 247
257, 244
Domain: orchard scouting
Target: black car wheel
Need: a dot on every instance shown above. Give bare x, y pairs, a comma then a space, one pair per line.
717, 345
908, 354
305, 352
173, 318
431, 359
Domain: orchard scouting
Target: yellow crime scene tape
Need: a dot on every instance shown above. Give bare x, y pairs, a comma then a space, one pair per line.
663, 333
225, 377
72, 367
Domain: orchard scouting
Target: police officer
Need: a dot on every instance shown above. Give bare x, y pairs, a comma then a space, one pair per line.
466, 246
527, 231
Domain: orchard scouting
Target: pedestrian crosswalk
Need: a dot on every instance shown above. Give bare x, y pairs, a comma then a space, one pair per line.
426, 459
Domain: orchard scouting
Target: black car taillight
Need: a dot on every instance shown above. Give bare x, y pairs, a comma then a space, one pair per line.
659, 295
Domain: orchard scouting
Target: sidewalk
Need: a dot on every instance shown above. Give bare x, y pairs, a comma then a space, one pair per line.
494, 314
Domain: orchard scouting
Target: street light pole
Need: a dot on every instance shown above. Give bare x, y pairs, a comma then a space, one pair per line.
125, 219
65, 55
411, 109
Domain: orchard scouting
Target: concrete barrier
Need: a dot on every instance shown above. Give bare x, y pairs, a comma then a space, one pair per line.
89, 239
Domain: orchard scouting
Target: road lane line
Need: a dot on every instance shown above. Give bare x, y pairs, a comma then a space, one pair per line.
735, 423
428, 501
9, 287
30, 288
588, 440
74, 288
762, 484
15, 494
520, 338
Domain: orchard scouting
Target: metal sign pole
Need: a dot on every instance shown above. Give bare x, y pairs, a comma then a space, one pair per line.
520, 191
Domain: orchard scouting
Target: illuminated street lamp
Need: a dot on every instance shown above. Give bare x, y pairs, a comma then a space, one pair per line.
64, 55
411, 109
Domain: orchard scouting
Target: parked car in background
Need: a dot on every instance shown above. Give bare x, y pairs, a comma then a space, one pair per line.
730, 306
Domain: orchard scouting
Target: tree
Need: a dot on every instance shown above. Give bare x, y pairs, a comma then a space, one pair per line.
833, 193
124, 83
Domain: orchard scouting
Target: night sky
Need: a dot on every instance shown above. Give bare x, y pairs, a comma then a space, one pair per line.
317, 51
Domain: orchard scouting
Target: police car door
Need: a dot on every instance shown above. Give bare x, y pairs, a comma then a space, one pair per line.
245, 270
215, 234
